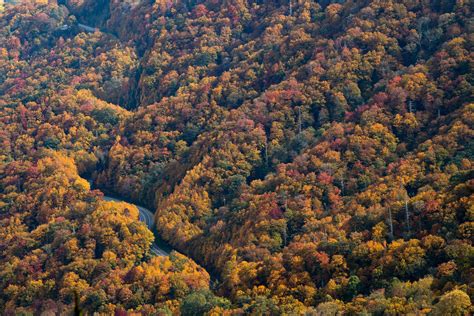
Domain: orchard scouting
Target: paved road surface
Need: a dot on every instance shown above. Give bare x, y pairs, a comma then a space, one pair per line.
147, 217
87, 28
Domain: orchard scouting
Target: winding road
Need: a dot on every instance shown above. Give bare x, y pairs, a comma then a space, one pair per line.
87, 28
146, 216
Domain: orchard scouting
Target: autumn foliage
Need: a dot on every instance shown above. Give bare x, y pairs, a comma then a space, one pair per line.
314, 156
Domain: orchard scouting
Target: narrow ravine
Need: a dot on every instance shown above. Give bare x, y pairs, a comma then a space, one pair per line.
145, 215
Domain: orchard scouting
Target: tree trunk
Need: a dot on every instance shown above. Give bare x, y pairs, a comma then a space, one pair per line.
390, 222
407, 215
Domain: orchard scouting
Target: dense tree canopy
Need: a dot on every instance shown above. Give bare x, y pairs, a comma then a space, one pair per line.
314, 156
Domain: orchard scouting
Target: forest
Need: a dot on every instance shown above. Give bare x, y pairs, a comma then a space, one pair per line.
301, 157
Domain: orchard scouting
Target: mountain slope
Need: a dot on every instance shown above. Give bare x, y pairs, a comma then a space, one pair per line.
316, 157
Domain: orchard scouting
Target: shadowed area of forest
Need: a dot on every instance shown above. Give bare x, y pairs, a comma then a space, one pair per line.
315, 157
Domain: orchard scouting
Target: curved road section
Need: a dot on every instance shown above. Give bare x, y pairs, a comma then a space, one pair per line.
146, 216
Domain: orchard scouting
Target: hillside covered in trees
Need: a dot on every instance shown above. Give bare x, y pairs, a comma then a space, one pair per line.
310, 157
